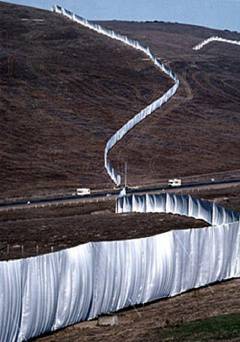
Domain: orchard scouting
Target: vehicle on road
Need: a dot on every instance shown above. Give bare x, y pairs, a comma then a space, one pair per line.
83, 191
174, 182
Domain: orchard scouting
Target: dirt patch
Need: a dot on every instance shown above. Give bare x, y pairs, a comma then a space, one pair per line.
36, 231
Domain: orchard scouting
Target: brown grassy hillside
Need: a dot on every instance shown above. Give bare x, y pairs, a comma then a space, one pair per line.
198, 132
63, 91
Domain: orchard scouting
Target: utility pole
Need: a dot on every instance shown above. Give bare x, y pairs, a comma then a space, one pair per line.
125, 178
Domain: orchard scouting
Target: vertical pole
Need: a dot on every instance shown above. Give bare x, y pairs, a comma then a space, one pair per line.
126, 170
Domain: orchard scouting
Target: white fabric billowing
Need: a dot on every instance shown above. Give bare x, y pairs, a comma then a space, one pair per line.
146, 111
10, 300
215, 39
49, 292
185, 205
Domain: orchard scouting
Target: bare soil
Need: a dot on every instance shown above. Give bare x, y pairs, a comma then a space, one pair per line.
32, 231
37, 231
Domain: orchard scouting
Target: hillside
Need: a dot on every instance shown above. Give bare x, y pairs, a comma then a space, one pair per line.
198, 131
64, 90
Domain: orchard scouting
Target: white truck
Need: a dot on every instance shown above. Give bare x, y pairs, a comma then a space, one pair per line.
174, 182
83, 191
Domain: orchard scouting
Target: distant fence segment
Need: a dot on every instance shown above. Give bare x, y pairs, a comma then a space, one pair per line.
215, 39
185, 205
49, 292
115, 176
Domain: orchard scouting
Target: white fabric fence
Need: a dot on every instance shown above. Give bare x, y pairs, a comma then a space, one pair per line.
49, 292
146, 111
215, 39
185, 205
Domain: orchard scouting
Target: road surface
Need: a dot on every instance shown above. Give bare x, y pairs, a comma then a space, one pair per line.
102, 195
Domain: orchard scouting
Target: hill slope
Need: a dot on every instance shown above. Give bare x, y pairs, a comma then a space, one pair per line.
198, 131
64, 91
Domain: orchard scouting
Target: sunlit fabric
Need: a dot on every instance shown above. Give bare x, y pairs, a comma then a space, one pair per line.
49, 292
215, 39
185, 205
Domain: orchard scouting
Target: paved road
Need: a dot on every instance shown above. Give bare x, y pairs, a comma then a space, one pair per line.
112, 194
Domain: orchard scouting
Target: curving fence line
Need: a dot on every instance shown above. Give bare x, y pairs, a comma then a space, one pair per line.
115, 176
215, 39
49, 292
185, 205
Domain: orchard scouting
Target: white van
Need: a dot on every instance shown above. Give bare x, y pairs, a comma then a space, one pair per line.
83, 191
174, 182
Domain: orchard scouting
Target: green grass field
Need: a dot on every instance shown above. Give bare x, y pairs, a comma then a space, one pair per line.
224, 327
